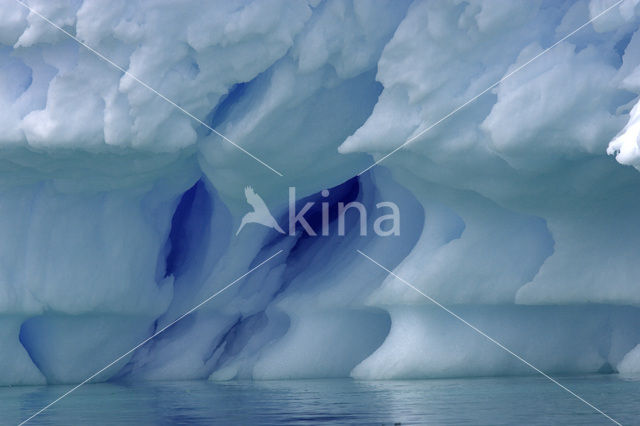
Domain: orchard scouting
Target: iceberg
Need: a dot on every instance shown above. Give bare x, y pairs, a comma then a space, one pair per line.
119, 211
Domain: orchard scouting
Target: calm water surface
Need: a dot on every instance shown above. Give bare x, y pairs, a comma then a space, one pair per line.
482, 401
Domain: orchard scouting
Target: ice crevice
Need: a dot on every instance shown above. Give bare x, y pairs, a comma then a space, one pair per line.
248, 331
118, 213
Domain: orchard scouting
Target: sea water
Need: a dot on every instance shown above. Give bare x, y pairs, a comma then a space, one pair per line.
477, 401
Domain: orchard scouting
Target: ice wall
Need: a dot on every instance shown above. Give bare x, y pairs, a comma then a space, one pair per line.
119, 212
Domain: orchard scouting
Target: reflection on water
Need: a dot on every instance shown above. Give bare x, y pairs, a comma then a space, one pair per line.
519, 400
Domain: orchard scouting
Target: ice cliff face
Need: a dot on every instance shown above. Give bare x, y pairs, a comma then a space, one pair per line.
118, 212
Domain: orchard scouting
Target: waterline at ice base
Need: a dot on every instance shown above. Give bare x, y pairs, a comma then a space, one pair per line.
119, 211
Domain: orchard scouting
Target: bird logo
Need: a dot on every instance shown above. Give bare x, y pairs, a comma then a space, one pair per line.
260, 213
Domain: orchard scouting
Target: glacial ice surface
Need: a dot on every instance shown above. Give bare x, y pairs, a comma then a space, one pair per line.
119, 213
